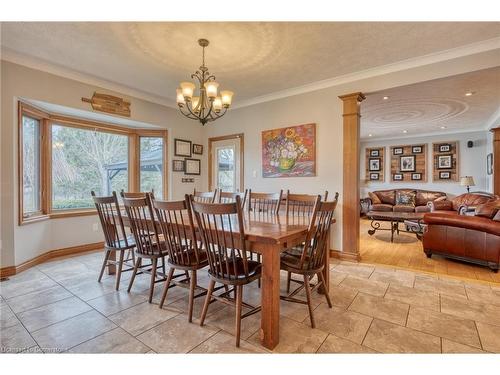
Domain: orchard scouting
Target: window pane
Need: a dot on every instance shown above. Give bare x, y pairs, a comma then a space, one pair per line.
31, 165
85, 160
152, 165
225, 169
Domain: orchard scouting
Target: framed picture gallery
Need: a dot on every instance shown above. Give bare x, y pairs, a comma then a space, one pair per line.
374, 164
178, 165
182, 147
408, 163
197, 149
445, 162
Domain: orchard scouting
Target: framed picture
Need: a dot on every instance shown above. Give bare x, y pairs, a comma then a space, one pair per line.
197, 149
407, 163
445, 148
375, 153
416, 150
193, 166
489, 163
397, 177
178, 165
289, 152
374, 176
182, 147
444, 161
444, 175
374, 165
416, 176
397, 151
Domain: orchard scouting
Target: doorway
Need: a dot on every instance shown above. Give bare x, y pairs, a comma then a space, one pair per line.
226, 163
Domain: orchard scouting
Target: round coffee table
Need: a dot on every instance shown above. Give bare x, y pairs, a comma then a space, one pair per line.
413, 221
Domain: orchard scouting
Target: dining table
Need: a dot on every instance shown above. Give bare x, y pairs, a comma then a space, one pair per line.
269, 235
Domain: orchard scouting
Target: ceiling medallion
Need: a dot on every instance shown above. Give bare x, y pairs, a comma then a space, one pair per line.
207, 106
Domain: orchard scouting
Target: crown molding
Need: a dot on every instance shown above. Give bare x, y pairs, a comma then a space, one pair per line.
419, 135
469, 49
12, 56
494, 120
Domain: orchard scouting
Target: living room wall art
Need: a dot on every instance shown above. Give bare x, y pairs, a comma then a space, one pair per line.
374, 164
445, 160
289, 152
408, 163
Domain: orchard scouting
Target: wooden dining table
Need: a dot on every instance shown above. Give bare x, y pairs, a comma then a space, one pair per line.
270, 235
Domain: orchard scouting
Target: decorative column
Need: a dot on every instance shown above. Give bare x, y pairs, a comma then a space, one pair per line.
350, 197
496, 160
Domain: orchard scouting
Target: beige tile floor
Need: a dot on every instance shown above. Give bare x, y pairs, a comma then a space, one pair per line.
60, 307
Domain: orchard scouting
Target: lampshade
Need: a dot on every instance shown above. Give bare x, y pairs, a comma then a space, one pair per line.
217, 104
211, 88
194, 103
467, 181
227, 97
180, 97
187, 89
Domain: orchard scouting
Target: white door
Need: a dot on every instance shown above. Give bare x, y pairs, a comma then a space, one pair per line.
226, 164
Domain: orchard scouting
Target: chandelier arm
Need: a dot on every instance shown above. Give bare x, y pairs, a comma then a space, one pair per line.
214, 116
197, 75
191, 112
193, 117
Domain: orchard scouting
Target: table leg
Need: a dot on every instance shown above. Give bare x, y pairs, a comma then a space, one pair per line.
392, 231
270, 296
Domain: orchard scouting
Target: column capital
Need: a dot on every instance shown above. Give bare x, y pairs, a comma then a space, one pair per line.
358, 96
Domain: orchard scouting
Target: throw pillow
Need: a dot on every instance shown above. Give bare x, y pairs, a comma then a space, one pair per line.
405, 198
374, 197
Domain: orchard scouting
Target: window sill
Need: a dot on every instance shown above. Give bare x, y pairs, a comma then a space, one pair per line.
33, 219
72, 213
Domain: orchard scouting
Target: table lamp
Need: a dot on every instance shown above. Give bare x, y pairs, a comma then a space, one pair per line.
467, 181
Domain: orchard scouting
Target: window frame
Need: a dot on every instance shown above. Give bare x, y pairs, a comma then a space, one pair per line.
47, 120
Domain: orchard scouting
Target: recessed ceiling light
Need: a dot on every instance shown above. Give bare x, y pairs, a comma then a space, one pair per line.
385, 97
405, 131
469, 93
443, 127
369, 135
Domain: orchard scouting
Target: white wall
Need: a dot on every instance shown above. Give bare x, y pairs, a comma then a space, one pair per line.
471, 162
21, 243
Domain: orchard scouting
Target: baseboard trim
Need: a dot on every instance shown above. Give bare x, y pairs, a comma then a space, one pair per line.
350, 257
13, 270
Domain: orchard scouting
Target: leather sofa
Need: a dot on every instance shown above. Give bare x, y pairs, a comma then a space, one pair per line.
466, 228
385, 200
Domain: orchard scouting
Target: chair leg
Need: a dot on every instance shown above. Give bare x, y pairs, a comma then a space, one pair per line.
210, 290
321, 277
134, 272
288, 282
309, 302
153, 278
258, 260
104, 264
120, 267
192, 287
167, 284
239, 299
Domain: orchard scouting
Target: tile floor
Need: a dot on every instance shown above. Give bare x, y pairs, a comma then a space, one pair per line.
60, 307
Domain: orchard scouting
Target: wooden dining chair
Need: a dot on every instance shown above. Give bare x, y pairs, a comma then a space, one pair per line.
139, 194
226, 197
149, 241
312, 260
204, 196
268, 203
175, 220
222, 231
115, 237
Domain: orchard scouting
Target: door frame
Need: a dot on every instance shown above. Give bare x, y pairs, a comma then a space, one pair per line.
241, 137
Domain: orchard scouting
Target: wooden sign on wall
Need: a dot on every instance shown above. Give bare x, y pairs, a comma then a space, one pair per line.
109, 104
445, 161
374, 164
408, 163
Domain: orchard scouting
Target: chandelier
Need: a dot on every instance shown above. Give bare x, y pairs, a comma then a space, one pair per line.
207, 106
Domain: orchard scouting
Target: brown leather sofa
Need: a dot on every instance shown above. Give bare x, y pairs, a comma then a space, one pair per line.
385, 200
466, 228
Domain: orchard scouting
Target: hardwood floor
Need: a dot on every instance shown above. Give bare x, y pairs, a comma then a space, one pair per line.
406, 252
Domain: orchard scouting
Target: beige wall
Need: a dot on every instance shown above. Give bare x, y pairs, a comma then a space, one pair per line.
323, 108
21, 243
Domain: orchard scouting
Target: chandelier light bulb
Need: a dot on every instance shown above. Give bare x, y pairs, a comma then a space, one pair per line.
187, 90
211, 88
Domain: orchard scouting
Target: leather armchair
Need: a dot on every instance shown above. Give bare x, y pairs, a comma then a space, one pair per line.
474, 239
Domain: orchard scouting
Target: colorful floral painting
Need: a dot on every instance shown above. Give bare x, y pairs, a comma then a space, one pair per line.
289, 152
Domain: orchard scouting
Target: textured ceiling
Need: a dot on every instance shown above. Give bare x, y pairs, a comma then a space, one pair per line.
426, 107
252, 59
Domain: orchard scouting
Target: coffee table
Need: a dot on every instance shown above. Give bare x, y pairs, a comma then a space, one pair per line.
413, 221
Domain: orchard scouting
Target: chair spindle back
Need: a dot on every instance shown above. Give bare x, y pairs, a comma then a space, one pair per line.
268, 203
204, 196
111, 220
